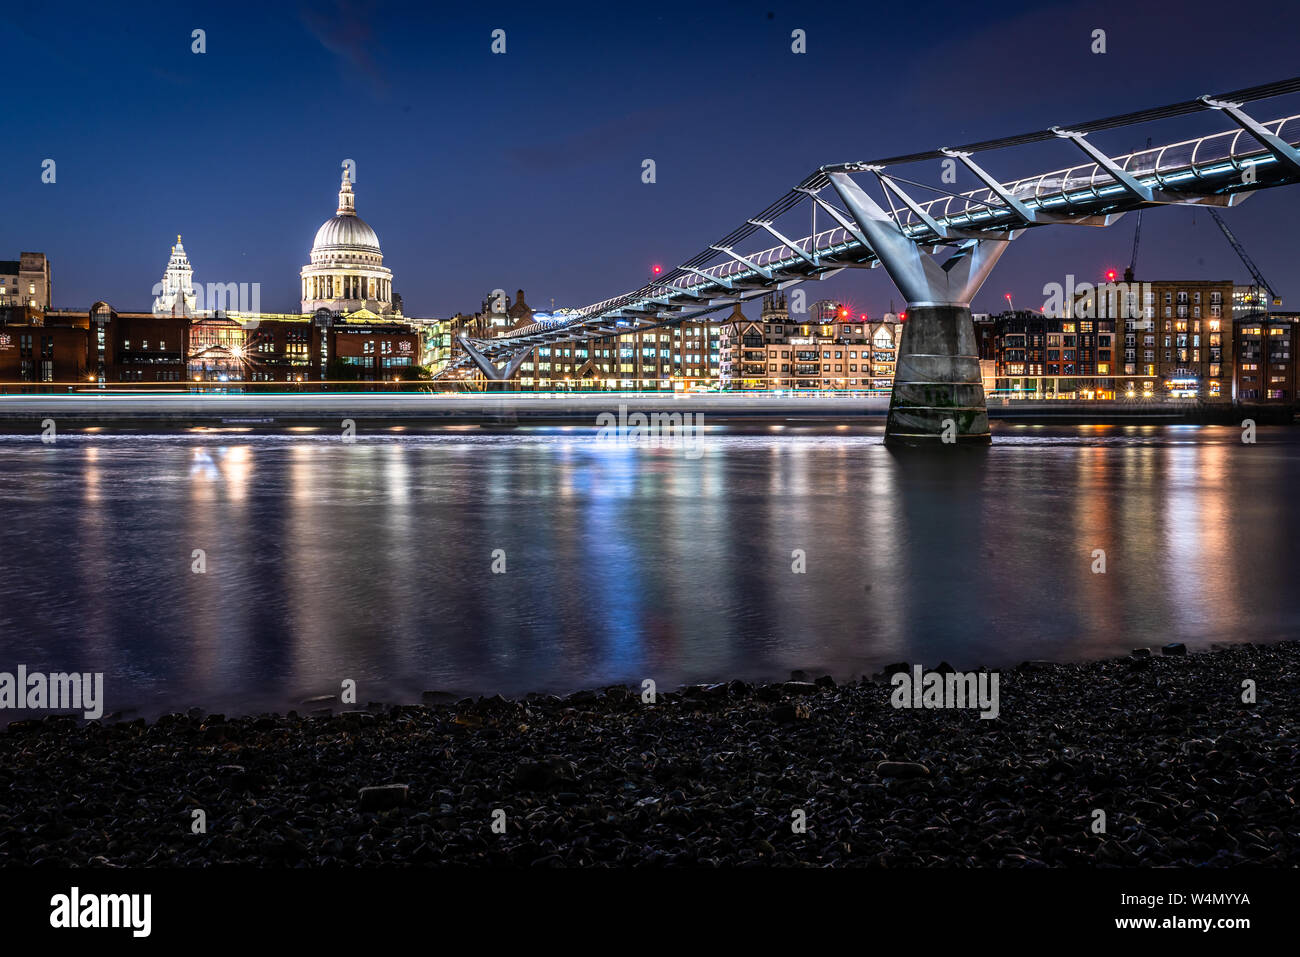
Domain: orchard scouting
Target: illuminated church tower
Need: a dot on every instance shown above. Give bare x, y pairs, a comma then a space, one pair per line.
177, 297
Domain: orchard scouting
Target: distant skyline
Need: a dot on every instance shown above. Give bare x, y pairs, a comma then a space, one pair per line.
523, 170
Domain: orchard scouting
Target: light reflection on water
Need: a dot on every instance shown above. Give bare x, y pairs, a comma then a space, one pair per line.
372, 561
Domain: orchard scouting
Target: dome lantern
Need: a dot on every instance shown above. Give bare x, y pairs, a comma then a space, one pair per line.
347, 200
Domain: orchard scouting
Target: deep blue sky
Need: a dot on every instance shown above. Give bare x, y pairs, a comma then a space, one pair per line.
523, 170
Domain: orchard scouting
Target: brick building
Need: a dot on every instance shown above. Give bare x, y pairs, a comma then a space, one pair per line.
1193, 338
106, 345
827, 349
34, 350
1170, 338
1037, 355
1265, 349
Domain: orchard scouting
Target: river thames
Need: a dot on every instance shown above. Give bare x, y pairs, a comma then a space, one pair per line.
747, 557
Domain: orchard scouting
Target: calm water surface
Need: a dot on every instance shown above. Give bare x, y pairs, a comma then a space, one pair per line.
373, 561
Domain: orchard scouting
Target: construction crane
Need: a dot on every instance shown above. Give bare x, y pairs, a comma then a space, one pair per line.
1240, 250
1137, 238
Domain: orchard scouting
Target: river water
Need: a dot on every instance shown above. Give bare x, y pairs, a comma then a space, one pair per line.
374, 561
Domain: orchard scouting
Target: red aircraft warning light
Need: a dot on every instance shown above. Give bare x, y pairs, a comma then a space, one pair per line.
656, 269
1110, 275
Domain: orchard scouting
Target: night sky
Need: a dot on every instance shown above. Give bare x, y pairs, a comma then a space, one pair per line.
524, 170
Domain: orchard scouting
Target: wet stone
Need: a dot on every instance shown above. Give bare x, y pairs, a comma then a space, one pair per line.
902, 769
383, 796
789, 713
799, 687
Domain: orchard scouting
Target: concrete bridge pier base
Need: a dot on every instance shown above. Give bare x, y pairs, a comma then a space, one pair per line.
938, 395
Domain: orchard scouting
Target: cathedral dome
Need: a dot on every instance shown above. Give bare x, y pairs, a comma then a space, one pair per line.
346, 232
346, 273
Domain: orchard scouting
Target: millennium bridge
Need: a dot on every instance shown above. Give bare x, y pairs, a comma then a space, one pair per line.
938, 252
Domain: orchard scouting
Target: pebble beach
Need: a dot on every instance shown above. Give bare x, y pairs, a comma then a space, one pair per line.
800, 773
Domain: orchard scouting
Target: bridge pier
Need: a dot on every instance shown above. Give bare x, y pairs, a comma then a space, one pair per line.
937, 380
938, 395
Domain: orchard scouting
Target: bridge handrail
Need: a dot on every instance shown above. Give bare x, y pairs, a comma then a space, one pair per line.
1083, 177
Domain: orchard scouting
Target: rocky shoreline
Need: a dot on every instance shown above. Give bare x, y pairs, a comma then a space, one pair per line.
1185, 772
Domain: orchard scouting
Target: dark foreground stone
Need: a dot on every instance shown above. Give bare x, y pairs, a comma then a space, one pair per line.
1185, 771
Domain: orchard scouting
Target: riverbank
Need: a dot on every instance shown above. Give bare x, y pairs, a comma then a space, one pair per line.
1185, 772
145, 412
